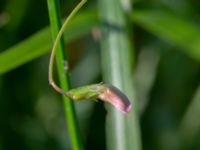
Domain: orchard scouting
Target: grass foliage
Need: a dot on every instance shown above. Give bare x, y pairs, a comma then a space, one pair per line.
151, 52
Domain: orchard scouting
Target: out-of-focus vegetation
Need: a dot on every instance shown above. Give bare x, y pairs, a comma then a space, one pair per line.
166, 39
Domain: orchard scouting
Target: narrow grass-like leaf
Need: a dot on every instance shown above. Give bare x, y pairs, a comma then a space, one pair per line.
171, 28
190, 125
70, 113
40, 43
122, 131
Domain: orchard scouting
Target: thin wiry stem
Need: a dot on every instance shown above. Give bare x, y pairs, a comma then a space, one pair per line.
58, 50
51, 62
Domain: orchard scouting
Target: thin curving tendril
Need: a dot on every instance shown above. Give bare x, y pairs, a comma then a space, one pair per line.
100, 91
55, 45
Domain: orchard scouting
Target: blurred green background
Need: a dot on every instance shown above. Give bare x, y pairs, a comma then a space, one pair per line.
166, 39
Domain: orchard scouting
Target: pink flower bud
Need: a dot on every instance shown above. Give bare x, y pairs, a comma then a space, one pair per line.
114, 96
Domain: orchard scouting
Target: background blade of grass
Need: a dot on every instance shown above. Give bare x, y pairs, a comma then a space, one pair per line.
71, 119
190, 125
40, 43
122, 131
32, 116
164, 25
171, 28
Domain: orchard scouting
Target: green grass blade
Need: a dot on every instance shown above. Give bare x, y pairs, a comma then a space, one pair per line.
189, 130
72, 123
40, 43
171, 28
122, 131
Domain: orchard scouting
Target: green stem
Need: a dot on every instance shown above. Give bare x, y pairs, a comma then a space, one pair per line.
58, 50
56, 44
122, 131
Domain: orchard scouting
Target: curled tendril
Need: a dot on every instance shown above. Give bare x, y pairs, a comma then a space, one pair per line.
100, 91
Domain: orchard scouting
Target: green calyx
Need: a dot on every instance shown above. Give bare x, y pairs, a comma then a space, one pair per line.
86, 92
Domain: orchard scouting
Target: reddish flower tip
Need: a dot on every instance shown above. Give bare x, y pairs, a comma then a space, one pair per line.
114, 96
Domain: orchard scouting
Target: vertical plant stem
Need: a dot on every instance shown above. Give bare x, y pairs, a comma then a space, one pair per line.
73, 128
122, 131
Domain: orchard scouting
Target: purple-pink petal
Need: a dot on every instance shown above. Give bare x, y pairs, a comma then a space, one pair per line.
116, 98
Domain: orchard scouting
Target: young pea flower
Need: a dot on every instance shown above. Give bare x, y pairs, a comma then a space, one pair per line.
103, 92
118, 99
